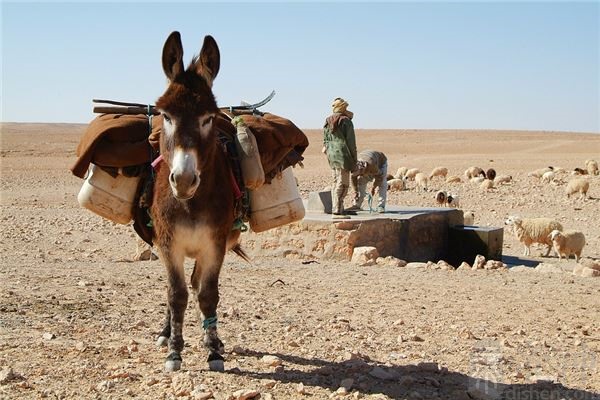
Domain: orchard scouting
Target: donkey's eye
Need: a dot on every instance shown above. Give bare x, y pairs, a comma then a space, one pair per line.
166, 118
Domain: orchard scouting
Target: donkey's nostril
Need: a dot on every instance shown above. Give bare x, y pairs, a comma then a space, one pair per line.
195, 181
172, 178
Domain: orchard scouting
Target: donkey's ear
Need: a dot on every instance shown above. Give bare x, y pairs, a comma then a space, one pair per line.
209, 61
172, 56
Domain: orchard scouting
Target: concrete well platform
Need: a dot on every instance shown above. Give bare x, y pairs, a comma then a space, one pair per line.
408, 233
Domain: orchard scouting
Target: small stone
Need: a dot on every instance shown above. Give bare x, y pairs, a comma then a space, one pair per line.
245, 394
151, 382
105, 386
271, 361
80, 346
416, 265
347, 383
300, 388
416, 338
365, 255
293, 343
380, 373
49, 336
548, 268
7, 374
182, 384
269, 384
479, 262
398, 322
463, 266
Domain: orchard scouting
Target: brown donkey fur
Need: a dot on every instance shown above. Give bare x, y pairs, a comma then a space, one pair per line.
193, 207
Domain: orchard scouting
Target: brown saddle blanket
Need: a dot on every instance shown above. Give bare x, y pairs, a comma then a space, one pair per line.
121, 140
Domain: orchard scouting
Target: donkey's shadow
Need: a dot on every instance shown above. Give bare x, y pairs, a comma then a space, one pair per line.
421, 381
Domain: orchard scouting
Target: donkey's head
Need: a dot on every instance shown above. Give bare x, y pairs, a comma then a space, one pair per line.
188, 106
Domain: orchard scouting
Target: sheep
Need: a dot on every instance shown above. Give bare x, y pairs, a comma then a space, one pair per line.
538, 173
453, 200
453, 179
401, 172
411, 173
503, 179
396, 184
533, 230
576, 185
472, 172
567, 243
592, 167
421, 180
440, 198
490, 174
477, 180
487, 184
438, 171
468, 218
548, 177
579, 171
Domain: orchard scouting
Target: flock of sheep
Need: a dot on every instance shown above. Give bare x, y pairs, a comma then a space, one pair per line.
544, 231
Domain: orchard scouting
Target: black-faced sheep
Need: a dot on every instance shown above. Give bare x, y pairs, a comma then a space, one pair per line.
453, 200
490, 174
438, 171
567, 243
580, 171
577, 185
411, 173
533, 230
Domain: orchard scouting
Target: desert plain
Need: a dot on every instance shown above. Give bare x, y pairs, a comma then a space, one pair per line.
79, 317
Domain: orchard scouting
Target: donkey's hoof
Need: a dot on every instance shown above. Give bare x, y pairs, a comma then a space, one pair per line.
162, 341
216, 362
173, 362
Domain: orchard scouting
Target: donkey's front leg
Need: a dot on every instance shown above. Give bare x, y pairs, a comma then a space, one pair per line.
177, 300
205, 282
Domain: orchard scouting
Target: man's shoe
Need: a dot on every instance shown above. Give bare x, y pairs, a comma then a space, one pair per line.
353, 208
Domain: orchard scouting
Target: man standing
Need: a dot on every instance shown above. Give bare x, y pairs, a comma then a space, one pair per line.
371, 166
339, 144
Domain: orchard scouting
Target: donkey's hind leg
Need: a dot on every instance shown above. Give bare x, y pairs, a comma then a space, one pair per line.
205, 283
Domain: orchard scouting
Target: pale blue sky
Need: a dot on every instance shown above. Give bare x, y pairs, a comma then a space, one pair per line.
472, 65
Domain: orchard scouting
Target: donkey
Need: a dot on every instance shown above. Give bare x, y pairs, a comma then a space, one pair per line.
193, 206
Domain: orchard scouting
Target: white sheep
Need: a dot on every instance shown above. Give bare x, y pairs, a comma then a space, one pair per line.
487, 185
396, 184
538, 173
438, 171
577, 185
411, 173
468, 218
453, 179
401, 172
592, 167
472, 172
453, 200
548, 176
421, 180
533, 230
502, 179
567, 243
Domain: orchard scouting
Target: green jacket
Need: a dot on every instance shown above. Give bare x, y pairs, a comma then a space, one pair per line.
340, 142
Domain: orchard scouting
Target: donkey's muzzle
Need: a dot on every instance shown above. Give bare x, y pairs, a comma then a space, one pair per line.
184, 185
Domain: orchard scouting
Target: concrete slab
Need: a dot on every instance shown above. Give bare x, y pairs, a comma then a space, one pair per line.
409, 233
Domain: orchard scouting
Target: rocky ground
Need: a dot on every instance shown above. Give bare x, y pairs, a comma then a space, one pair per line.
78, 318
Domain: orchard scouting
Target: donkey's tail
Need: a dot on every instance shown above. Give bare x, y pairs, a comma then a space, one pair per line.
237, 249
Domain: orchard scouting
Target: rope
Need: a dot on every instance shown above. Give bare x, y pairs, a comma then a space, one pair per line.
370, 202
209, 322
